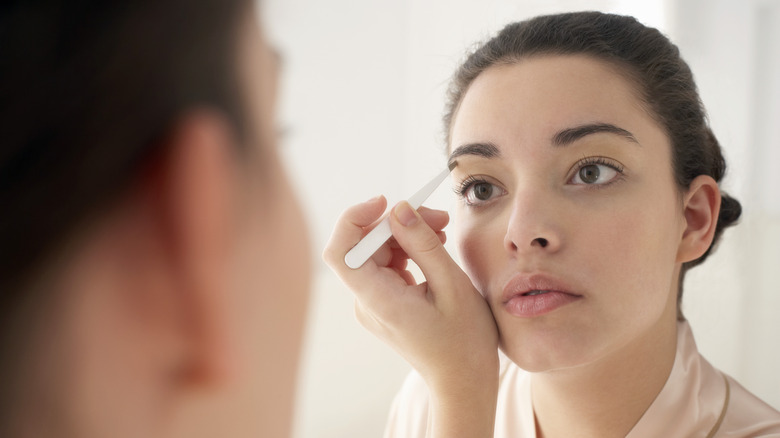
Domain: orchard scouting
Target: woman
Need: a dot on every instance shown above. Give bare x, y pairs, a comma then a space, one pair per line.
589, 184
146, 224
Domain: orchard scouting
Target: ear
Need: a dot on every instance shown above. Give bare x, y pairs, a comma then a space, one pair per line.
701, 206
195, 185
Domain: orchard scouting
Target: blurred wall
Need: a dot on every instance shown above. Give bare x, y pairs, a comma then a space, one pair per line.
361, 101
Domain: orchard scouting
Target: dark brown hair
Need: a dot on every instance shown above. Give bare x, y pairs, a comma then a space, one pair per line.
648, 59
87, 89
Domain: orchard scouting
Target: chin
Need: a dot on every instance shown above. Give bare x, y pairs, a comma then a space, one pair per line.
541, 363
546, 352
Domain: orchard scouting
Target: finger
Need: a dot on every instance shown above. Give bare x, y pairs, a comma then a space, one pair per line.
436, 219
365, 213
400, 260
442, 237
422, 244
408, 277
384, 256
393, 244
350, 228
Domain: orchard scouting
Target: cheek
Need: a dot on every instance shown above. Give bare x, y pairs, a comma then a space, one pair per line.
470, 249
634, 249
480, 246
276, 261
273, 264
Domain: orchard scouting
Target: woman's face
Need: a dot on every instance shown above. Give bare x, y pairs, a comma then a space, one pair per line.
570, 218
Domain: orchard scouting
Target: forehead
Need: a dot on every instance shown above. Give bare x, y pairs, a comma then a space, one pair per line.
542, 94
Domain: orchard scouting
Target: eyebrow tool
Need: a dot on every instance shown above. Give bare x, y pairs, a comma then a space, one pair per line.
375, 238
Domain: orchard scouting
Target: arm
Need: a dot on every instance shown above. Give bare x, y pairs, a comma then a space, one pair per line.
442, 327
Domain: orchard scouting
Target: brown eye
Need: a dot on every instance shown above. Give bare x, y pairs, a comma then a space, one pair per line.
590, 174
596, 172
483, 191
478, 192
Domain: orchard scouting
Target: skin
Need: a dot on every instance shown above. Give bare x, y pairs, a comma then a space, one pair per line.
600, 359
613, 242
181, 309
616, 242
424, 322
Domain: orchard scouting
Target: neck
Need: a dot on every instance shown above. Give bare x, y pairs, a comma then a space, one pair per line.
608, 397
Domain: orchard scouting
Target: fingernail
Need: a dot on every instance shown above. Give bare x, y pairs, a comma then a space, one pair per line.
373, 200
405, 214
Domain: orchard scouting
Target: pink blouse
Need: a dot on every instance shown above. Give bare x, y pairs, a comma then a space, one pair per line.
696, 401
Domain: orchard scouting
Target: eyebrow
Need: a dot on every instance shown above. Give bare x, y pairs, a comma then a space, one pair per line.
562, 138
484, 150
570, 135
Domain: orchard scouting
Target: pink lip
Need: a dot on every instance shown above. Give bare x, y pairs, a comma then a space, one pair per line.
517, 303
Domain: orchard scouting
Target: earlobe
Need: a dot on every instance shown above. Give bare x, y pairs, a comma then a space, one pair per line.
701, 206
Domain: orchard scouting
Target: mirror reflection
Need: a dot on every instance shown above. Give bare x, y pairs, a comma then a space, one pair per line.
401, 143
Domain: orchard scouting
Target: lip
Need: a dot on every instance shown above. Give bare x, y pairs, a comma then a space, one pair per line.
516, 301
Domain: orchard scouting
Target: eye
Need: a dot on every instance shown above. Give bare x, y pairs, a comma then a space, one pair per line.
475, 191
596, 171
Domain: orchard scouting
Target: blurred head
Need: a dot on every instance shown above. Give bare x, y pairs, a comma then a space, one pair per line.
586, 168
153, 261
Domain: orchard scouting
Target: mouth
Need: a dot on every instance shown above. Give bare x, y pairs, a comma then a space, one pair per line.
534, 292
525, 285
535, 295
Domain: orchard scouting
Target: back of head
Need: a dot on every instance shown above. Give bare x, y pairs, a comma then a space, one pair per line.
86, 90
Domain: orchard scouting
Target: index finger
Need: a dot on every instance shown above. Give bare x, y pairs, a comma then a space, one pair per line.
350, 228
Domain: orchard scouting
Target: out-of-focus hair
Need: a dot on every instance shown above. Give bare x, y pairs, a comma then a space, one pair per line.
87, 89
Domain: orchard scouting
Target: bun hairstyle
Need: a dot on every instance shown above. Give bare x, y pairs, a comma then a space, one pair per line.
647, 58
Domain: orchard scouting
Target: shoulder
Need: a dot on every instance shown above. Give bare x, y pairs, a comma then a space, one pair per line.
747, 415
742, 414
700, 400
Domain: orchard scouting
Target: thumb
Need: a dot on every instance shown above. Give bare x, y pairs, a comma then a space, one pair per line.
421, 244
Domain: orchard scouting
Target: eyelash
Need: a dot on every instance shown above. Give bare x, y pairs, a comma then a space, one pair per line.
598, 160
589, 161
470, 180
464, 185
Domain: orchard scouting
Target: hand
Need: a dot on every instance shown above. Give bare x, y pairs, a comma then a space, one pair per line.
443, 327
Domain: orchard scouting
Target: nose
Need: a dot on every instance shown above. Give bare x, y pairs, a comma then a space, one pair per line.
533, 226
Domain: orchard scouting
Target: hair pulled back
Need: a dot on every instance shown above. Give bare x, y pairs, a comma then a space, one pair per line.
647, 58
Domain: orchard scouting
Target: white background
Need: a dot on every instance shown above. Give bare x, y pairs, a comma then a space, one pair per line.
362, 96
